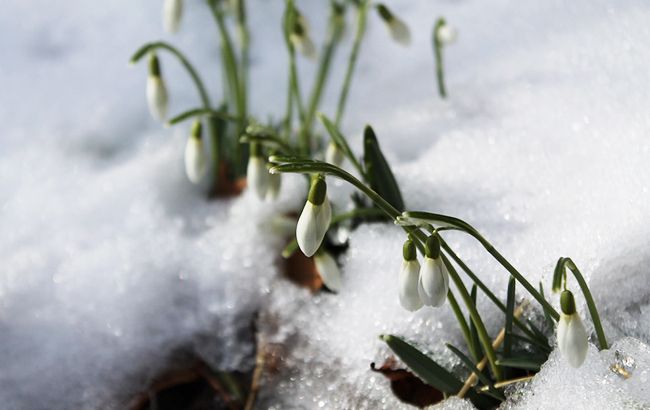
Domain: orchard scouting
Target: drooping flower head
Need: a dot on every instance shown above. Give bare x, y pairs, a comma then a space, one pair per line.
257, 172
172, 13
196, 161
398, 30
572, 338
433, 285
408, 278
156, 91
328, 270
315, 218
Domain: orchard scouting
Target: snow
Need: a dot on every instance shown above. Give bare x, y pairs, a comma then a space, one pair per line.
111, 262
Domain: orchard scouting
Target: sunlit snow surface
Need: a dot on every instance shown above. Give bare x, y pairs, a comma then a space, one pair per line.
110, 262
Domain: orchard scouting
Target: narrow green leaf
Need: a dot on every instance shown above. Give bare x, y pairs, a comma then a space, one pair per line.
195, 112
470, 365
341, 142
431, 372
520, 363
378, 171
472, 328
549, 321
290, 249
424, 367
532, 342
558, 274
510, 310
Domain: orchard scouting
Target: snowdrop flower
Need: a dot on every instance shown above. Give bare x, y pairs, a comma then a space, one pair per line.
315, 218
333, 154
257, 173
328, 270
195, 157
396, 27
274, 185
300, 38
434, 277
572, 338
172, 13
156, 90
446, 34
409, 278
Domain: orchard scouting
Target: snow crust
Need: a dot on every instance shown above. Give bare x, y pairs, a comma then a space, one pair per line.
111, 262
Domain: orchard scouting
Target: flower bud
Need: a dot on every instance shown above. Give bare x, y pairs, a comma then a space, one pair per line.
196, 161
433, 285
257, 173
172, 13
334, 155
446, 34
156, 91
572, 338
396, 27
300, 38
328, 270
314, 219
408, 279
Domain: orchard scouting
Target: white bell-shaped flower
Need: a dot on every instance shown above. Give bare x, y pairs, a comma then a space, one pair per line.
333, 154
408, 279
300, 38
446, 34
398, 30
172, 13
315, 218
196, 160
328, 270
257, 173
572, 337
157, 98
433, 285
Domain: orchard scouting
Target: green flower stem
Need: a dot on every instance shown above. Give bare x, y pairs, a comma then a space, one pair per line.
464, 327
437, 50
356, 213
335, 31
270, 140
244, 53
329, 169
362, 15
295, 87
482, 285
203, 94
161, 45
483, 336
232, 73
591, 305
198, 112
467, 228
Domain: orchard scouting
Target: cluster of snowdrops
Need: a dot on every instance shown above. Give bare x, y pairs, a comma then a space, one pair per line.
239, 146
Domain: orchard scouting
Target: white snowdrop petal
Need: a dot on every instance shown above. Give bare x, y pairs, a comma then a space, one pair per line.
408, 279
195, 160
172, 13
400, 31
157, 97
573, 340
434, 282
447, 34
257, 175
334, 155
312, 226
328, 271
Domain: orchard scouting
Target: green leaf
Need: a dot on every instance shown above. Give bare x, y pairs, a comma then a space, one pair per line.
290, 249
195, 112
470, 365
510, 310
520, 363
424, 367
549, 321
431, 372
532, 342
378, 171
341, 142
